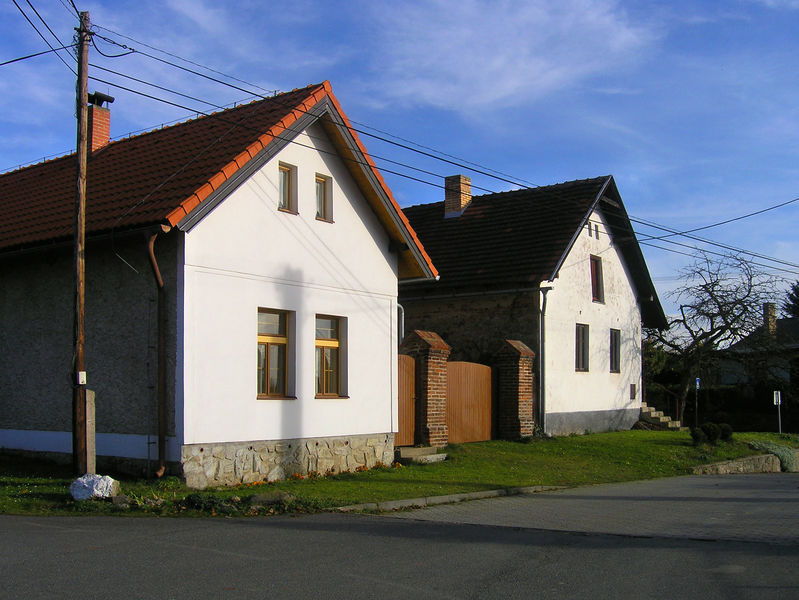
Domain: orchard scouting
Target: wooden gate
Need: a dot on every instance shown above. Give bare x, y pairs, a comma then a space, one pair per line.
468, 402
407, 418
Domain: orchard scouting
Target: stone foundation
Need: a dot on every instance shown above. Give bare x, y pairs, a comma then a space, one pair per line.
232, 463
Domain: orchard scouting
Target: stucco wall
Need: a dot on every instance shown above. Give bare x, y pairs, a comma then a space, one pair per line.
247, 254
36, 319
596, 396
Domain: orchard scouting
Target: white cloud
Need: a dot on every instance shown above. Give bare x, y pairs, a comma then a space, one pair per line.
779, 4
475, 53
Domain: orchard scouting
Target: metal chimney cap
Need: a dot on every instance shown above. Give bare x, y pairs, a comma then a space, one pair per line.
97, 98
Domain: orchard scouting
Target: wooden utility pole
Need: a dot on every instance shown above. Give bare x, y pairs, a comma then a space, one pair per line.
80, 457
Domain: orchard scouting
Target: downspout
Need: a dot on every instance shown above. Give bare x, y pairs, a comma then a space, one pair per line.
161, 377
542, 405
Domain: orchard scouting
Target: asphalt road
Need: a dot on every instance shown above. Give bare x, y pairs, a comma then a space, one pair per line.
711, 537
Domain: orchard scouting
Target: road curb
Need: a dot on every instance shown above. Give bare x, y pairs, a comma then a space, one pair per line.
762, 463
391, 505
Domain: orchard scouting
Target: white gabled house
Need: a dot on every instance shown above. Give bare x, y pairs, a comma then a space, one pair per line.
556, 267
279, 248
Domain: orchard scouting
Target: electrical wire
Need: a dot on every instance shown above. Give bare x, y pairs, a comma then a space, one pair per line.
482, 170
725, 222
717, 244
13, 60
372, 135
46, 41
428, 154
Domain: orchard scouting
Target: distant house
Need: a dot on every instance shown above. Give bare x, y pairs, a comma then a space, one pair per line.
556, 267
277, 247
768, 355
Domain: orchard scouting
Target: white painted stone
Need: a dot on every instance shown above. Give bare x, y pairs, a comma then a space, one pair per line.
94, 486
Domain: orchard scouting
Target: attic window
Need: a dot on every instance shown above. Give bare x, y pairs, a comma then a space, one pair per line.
324, 203
590, 228
596, 230
597, 287
287, 188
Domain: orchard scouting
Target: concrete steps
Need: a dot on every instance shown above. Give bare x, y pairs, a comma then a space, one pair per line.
657, 418
406, 454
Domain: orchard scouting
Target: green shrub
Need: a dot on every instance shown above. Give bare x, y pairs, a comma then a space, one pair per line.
698, 435
712, 431
726, 432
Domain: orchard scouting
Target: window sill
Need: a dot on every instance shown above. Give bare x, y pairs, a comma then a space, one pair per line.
581, 370
595, 301
289, 211
324, 220
265, 397
612, 372
330, 397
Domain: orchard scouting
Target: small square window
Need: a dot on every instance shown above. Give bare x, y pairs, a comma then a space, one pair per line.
287, 188
581, 348
597, 287
615, 351
324, 202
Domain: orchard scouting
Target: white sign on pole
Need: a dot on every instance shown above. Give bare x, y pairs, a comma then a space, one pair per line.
777, 398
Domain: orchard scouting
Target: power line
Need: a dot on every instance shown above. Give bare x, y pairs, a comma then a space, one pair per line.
712, 243
13, 60
46, 41
481, 170
275, 91
673, 251
372, 135
725, 222
196, 64
514, 182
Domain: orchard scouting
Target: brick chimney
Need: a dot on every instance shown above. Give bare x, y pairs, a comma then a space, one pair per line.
99, 121
770, 317
457, 195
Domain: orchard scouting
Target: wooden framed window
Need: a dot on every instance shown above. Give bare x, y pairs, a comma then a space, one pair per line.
615, 351
324, 205
597, 287
581, 347
328, 356
273, 343
287, 188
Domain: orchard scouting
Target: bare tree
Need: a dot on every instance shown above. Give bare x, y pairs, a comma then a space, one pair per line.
720, 305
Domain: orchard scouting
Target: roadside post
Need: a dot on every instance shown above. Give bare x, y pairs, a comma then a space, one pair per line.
696, 404
778, 404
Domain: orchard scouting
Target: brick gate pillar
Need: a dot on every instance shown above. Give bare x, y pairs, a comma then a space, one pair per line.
515, 395
430, 353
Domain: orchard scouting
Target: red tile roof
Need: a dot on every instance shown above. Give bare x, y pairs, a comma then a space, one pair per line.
163, 175
518, 239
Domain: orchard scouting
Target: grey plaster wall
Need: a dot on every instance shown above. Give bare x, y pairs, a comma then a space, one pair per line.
36, 347
598, 420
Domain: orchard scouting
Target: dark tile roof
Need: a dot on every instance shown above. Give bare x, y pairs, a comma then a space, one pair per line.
163, 175
510, 237
518, 238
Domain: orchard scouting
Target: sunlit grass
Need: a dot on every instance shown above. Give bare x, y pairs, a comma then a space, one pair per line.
36, 487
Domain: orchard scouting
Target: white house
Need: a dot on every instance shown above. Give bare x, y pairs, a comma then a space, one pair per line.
276, 247
556, 267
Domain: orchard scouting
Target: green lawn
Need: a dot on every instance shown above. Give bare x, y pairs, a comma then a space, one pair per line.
33, 487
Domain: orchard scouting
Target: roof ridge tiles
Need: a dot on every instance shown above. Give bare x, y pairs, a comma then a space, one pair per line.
200, 117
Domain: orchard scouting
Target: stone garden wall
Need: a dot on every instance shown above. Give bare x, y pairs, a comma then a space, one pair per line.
209, 465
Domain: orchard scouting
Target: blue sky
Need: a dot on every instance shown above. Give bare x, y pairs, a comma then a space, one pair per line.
692, 106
